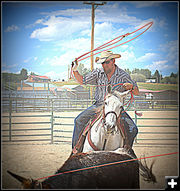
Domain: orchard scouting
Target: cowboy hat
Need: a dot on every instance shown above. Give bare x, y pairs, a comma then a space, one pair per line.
106, 55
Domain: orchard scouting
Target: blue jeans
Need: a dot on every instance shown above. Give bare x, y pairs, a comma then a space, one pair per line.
130, 127
82, 119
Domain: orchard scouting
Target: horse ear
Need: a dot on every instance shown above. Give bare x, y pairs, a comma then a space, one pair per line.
109, 88
121, 95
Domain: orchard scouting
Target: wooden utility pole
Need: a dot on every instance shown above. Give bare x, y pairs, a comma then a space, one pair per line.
94, 6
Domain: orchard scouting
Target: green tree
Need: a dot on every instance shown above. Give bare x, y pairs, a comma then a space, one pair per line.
6, 77
157, 76
173, 80
23, 74
166, 80
146, 72
33, 74
138, 77
173, 75
128, 71
135, 71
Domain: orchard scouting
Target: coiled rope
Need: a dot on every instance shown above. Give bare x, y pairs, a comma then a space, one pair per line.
108, 44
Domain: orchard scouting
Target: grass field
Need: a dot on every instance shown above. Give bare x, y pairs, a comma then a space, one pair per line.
141, 85
157, 86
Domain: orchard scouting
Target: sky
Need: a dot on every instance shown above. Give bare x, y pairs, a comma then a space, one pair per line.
45, 37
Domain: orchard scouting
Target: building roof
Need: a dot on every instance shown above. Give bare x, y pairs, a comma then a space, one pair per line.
60, 89
41, 77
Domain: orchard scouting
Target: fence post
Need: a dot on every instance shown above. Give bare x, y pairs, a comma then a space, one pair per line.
48, 105
16, 101
52, 121
135, 118
10, 111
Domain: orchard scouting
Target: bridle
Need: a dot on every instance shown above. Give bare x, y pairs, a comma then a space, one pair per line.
113, 112
110, 112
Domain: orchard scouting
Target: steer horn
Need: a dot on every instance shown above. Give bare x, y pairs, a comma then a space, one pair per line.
26, 183
21, 179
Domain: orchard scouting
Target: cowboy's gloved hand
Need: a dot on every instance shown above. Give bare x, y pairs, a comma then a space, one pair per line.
74, 66
128, 86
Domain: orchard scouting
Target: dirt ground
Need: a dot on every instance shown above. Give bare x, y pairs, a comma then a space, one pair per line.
41, 159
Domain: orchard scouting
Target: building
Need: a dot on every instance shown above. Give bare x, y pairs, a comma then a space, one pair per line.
35, 78
160, 94
150, 81
80, 91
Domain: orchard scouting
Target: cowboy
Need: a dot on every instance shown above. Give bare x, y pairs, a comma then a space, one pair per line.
110, 73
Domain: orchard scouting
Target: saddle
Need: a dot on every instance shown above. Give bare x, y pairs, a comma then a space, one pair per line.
79, 145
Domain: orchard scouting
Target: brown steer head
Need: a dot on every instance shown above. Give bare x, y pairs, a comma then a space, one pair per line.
26, 183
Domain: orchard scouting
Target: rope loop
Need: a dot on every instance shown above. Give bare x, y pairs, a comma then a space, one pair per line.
107, 44
116, 40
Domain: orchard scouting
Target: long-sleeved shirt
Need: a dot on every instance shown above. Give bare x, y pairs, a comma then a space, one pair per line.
98, 77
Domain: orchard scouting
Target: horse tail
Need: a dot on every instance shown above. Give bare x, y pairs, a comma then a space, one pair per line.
146, 172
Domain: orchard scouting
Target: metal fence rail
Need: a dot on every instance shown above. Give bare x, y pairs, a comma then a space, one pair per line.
139, 140
19, 104
53, 134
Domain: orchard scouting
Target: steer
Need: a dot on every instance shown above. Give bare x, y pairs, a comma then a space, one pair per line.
95, 169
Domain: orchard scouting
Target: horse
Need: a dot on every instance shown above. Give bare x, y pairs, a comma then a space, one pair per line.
91, 170
106, 132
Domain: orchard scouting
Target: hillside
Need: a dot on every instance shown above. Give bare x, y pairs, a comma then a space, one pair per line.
157, 86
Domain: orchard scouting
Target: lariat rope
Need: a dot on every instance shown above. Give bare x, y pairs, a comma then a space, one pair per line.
106, 164
108, 43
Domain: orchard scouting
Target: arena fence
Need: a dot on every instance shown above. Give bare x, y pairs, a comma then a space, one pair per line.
53, 133
38, 104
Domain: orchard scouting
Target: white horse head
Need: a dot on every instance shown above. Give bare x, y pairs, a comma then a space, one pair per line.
113, 104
